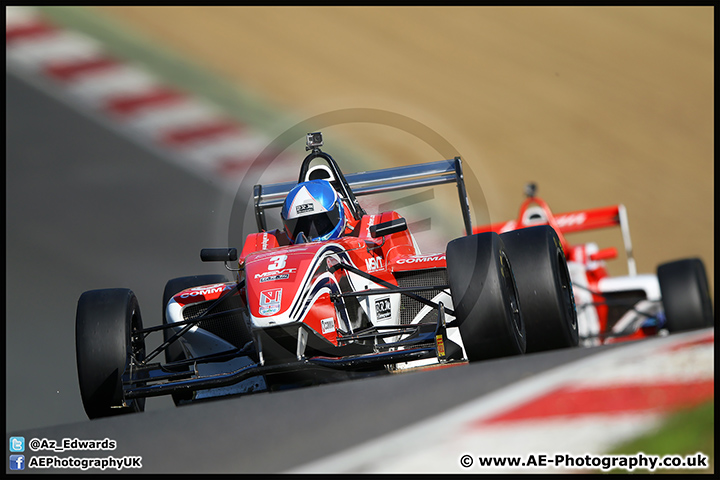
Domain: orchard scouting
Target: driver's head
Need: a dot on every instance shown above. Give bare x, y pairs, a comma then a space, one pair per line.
315, 209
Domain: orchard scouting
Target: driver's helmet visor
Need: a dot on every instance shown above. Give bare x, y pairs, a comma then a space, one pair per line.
315, 226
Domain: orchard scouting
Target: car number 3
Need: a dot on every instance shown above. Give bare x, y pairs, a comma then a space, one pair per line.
278, 262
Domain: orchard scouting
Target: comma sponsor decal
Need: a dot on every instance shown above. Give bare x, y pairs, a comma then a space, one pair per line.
421, 259
204, 291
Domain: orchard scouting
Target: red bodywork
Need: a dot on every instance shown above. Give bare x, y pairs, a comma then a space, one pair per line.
279, 275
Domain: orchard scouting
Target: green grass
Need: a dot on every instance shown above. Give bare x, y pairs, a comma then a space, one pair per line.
684, 433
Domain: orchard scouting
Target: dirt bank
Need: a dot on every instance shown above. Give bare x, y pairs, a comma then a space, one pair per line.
598, 105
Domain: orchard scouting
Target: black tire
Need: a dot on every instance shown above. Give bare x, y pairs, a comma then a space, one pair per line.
685, 295
104, 346
174, 352
544, 287
485, 297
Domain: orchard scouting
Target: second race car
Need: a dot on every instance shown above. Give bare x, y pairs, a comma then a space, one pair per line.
624, 307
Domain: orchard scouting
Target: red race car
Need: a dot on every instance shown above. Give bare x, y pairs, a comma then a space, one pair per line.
614, 308
336, 293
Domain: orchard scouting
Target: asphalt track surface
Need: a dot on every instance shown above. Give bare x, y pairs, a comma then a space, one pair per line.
89, 209
86, 209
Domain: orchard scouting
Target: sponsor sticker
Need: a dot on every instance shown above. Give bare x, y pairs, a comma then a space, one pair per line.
270, 301
422, 259
371, 222
382, 308
440, 345
304, 208
205, 290
571, 219
283, 274
327, 325
373, 264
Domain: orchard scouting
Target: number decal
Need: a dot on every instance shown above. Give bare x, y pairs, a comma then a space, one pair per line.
278, 262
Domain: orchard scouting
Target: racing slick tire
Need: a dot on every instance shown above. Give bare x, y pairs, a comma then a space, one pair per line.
685, 295
174, 352
544, 287
104, 347
484, 295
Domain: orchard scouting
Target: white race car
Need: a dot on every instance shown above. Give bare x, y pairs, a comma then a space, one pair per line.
615, 308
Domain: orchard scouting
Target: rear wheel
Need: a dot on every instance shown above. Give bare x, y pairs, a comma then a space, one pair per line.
485, 297
174, 352
544, 287
106, 346
685, 295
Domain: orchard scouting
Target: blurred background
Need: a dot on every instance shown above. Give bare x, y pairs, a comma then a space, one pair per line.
597, 105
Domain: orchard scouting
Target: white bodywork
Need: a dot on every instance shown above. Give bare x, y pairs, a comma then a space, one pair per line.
588, 320
198, 342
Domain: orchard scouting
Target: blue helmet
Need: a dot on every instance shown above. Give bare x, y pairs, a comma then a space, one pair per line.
315, 209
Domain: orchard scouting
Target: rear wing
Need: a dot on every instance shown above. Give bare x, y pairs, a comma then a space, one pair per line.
377, 181
571, 222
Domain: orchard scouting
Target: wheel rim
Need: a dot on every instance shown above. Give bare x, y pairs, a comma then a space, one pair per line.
136, 353
137, 344
511, 288
567, 293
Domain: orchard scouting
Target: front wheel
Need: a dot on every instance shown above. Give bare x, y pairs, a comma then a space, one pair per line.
485, 297
107, 346
685, 295
544, 287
